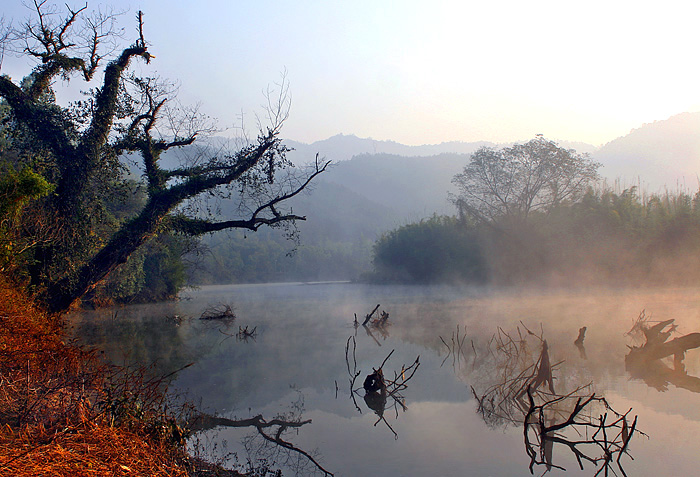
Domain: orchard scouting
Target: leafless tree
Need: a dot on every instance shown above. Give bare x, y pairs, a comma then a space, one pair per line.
515, 181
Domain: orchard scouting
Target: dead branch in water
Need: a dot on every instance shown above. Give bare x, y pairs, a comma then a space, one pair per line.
381, 393
525, 394
244, 333
380, 325
369, 316
221, 311
599, 441
579, 342
455, 349
651, 361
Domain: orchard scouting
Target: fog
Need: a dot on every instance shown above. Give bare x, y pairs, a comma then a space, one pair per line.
299, 352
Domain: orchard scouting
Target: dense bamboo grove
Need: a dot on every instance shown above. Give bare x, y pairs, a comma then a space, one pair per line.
607, 237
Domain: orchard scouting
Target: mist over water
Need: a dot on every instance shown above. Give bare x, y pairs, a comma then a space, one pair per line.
296, 363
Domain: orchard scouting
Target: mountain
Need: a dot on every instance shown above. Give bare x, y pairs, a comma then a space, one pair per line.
412, 187
663, 155
342, 147
375, 186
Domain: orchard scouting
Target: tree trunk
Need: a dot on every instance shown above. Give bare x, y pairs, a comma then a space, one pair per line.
62, 294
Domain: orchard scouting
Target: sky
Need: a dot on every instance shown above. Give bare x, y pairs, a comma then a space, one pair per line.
424, 72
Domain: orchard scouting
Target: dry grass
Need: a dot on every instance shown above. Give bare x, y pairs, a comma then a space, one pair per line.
64, 413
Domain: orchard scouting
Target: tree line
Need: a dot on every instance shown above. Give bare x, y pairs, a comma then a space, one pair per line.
538, 214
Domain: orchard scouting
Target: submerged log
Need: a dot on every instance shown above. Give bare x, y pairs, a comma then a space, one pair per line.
218, 312
645, 361
579, 342
369, 317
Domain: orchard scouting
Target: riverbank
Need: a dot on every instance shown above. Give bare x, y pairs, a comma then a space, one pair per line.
65, 413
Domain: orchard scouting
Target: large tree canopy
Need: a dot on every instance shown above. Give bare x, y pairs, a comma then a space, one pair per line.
514, 181
78, 148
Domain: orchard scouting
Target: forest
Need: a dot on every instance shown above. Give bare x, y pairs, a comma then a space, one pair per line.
597, 234
538, 214
605, 238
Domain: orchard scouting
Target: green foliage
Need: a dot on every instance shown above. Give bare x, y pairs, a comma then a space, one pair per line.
267, 256
17, 190
155, 272
79, 147
164, 269
433, 250
607, 237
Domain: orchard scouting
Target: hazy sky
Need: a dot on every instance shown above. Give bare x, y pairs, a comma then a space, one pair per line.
429, 71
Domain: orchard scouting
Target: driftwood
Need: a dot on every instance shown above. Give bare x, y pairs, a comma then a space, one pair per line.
380, 392
369, 316
221, 311
525, 395
380, 324
647, 361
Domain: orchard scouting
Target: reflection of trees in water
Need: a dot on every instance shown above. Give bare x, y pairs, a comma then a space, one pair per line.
270, 443
157, 341
381, 392
520, 390
594, 435
151, 342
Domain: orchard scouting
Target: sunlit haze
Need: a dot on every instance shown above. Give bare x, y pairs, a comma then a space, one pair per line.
420, 72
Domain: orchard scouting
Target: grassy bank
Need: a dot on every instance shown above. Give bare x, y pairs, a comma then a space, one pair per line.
65, 413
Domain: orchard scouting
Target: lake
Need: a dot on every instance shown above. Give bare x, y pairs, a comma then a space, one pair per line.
460, 410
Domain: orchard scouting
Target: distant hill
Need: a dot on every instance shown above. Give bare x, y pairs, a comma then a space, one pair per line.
657, 156
414, 187
374, 186
663, 155
373, 193
391, 184
336, 213
342, 147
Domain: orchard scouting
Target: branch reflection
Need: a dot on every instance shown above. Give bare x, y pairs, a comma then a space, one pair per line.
371, 325
524, 394
269, 446
380, 392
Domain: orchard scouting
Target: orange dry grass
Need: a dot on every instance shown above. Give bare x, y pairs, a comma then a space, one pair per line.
92, 450
55, 414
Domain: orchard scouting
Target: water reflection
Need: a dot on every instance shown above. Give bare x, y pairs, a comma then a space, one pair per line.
579, 342
152, 342
378, 325
270, 447
380, 392
647, 362
300, 339
523, 394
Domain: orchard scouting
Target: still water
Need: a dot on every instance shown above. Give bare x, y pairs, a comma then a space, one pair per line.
470, 343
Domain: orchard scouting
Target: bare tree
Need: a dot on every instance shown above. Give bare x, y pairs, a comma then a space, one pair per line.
515, 181
128, 115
